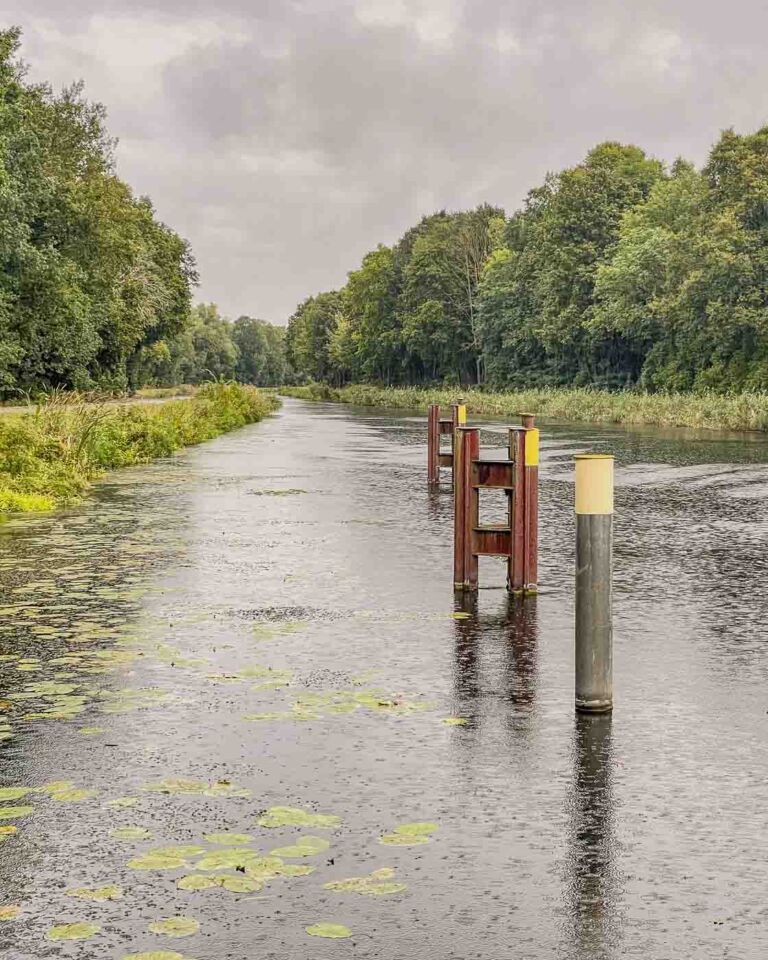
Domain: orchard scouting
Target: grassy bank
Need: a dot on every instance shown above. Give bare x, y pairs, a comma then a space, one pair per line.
744, 411
49, 457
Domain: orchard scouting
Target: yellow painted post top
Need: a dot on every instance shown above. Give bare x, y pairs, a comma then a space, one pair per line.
461, 413
532, 447
594, 483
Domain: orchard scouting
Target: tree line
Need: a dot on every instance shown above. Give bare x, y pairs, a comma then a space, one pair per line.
95, 292
617, 272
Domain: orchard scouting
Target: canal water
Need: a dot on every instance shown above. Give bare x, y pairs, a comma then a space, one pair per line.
267, 621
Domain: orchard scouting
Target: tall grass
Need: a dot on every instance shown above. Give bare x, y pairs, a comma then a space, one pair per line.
743, 411
49, 457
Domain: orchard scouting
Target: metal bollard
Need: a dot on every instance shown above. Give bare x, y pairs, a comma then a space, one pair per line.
594, 562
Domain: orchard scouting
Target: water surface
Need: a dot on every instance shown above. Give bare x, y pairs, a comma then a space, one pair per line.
299, 573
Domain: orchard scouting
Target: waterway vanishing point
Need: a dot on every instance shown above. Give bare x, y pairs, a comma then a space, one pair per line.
246, 665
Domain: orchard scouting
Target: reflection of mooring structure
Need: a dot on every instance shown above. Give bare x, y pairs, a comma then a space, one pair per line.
517, 475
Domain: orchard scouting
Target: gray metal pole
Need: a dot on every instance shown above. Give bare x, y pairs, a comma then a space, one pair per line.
594, 563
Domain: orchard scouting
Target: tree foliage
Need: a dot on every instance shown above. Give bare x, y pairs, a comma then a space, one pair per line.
615, 272
94, 290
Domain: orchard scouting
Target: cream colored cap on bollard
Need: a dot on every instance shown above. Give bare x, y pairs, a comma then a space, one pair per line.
594, 483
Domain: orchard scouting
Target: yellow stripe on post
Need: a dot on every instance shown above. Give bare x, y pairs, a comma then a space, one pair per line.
594, 483
532, 447
461, 414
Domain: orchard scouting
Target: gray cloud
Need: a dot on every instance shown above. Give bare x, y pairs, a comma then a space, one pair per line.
285, 139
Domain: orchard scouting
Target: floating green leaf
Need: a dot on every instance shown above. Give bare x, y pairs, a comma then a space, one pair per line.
13, 793
9, 912
227, 838
155, 955
73, 931
175, 926
304, 847
240, 884
154, 861
185, 851
227, 859
10, 813
416, 829
377, 884
73, 796
454, 721
401, 840
197, 881
332, 931
295, 817
123, 802
98, 894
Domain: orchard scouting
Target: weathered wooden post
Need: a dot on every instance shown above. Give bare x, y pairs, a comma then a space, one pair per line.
437, 428
433, 444
594, 561
466, 508
531, 504
516, 562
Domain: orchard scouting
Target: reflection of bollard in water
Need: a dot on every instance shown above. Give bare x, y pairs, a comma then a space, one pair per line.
594, 561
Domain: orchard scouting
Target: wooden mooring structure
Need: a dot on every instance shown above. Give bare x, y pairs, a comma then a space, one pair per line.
516, 474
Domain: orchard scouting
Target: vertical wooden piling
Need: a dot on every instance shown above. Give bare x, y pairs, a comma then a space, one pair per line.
516, 565
594, 545
472, 510
459, 509
531, 505
433, 444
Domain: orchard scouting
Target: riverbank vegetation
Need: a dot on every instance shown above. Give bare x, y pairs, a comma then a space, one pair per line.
617, 273
707, 410
49, 457
95, 291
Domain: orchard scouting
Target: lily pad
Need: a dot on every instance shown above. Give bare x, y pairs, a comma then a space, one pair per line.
97, 894
235, 839
401, 840
175, 926
227, 859
10, 813
197, 881
9, 912
332, 931
454, 721
155, 861
123, 802
156, 955
73, 931
416, 829
295, 817
304, 847
241, 884
13, 793
73, 796
377, 884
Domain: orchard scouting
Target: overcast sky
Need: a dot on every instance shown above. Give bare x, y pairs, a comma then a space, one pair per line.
285, 138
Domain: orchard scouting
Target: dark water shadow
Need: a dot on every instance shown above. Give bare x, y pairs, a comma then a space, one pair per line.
591, 872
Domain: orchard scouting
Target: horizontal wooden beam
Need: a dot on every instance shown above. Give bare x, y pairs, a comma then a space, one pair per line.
494, 473
491, 540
